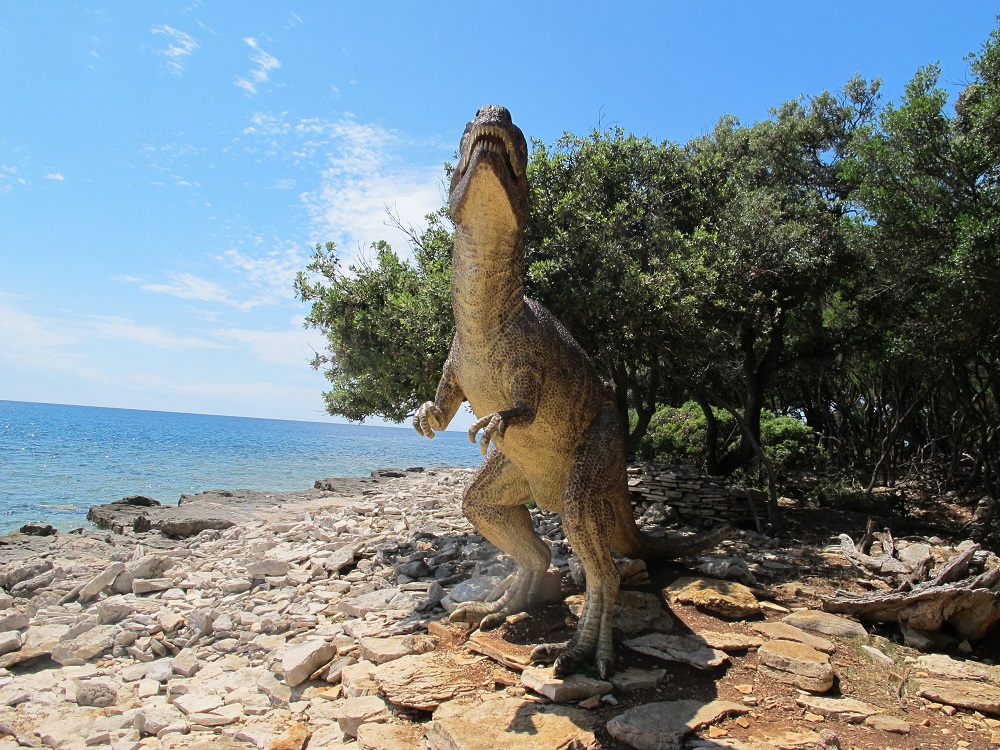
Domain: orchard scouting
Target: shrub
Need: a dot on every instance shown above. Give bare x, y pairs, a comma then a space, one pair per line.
676, 435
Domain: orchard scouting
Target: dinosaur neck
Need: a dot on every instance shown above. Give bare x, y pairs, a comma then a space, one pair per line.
487, 279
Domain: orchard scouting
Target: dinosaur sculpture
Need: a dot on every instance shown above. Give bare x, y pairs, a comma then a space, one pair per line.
553, 422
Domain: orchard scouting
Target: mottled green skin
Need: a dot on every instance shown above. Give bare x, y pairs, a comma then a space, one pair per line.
553, 422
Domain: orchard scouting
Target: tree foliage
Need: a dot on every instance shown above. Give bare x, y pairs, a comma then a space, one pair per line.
388, 323
676, 436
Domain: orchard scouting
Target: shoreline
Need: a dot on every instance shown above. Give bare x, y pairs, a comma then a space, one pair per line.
219, 509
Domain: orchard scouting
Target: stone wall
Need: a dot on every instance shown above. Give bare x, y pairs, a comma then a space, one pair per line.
695, 497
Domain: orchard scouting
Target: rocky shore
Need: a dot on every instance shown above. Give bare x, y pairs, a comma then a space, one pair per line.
317, 619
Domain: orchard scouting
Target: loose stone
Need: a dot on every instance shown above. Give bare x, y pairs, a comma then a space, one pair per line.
563, 689
727, 599
796, 664
663, 725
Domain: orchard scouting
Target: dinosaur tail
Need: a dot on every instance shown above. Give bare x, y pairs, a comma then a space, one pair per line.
630, 541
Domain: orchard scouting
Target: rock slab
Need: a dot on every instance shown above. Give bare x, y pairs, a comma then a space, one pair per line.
727, 599
664, 724
682, 648
511, 724
796, 664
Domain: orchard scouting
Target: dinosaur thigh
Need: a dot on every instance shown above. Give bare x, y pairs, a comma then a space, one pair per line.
495, 503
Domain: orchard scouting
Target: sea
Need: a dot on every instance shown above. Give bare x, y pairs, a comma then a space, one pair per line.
58, 460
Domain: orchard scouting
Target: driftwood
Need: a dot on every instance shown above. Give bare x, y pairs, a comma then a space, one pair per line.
969, 605
885, 564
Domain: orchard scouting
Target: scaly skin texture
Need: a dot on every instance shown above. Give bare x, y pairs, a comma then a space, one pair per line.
552, 421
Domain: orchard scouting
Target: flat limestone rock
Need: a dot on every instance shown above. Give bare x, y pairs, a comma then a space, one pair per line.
682, 648
785, 632
838, 709
512, 655
38, 641
101, 581
634, 678
888, 724
476, 588
10, 641
825, 623
730, 641
971, 694
362, 710
786, 739
88, 645
389, 736
573, 687
300, 660
635, 612
796, 664
373, 601
510, 723
941, 665
425, 681
728, 599
382, 650
664, 724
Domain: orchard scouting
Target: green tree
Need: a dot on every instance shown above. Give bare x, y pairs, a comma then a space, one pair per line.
774, 249
388, 323
604, 250
930, 187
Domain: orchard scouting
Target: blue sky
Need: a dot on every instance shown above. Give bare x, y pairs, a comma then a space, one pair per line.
166, 167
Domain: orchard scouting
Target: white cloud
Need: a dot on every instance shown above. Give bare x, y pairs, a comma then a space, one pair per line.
265, 278
67, 358
28, 340
122, 329
293, 348
179, 46
366, 178
189, 286
8, 175
366, 170
36, 343
255, 279
55, 176
265, 63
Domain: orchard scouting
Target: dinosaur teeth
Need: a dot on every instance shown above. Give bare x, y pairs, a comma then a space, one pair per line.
490, 139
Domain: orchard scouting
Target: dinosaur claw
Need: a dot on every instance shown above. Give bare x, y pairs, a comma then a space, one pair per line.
468, 615
492, 621
565, 665
605, 668
546, 653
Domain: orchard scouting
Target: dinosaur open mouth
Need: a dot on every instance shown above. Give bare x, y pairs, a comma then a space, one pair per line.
490, 139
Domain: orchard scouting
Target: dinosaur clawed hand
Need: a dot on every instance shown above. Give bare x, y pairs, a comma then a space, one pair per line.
427, 419
493, 426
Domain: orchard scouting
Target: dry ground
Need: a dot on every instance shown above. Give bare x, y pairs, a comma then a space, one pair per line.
775, 717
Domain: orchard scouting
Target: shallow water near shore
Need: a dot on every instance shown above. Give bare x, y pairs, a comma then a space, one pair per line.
57, 460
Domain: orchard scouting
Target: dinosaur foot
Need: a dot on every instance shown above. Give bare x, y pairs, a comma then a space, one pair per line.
567, 659
509, 598
479, 614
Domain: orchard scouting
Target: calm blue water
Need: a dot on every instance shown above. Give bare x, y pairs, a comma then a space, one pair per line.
56, 460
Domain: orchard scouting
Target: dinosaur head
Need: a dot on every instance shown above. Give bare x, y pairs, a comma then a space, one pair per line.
490, 184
